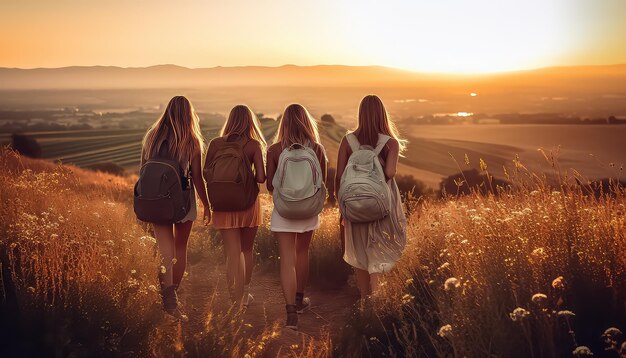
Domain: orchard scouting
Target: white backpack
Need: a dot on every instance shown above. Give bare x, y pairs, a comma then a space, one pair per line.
364, 195
299, 191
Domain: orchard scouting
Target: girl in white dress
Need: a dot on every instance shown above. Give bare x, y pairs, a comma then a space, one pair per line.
294, 236
374, 248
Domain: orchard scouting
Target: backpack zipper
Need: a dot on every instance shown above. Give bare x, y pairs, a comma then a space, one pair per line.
174, 169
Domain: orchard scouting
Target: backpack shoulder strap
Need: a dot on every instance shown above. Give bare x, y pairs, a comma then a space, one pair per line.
382, 140
353, 141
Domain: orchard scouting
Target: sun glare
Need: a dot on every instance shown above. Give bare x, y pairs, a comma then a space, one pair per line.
460, 36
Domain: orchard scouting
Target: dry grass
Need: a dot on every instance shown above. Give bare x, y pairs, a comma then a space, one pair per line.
534, 271
79, 274
82, 274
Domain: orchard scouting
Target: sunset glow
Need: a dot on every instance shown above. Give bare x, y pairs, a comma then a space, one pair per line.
430, 36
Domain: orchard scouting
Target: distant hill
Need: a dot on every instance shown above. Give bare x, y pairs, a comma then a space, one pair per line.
585, 78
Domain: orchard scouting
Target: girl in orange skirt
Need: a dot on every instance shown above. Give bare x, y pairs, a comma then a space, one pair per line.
238, 228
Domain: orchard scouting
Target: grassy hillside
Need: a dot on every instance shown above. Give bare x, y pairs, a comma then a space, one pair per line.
535, 271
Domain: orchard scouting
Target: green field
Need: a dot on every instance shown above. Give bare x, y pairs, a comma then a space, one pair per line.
85, 148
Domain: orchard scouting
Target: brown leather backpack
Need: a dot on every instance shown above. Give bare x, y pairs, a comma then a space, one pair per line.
231, 184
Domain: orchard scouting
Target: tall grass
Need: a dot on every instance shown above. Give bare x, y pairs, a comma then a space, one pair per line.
537, 270
79, 274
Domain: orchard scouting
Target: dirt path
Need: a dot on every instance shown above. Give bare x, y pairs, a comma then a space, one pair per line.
204, 291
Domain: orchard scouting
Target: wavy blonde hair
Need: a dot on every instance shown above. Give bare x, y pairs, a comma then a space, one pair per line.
180, 126
373, 119
296, 126
243, 122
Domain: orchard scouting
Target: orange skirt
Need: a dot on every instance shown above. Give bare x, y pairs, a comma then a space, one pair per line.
250, 217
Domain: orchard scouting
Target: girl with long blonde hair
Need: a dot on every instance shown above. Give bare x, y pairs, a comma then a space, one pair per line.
373, 248
238, 228
294, 235
176, 135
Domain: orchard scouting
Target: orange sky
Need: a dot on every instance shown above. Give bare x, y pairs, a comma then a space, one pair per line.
443, 36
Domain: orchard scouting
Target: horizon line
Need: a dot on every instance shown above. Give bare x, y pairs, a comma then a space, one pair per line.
453, 73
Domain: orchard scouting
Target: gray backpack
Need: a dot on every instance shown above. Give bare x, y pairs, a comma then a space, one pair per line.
299, 191
364, 195
162, 194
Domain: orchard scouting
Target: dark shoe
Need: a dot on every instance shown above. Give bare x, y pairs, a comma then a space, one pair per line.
303, 305
292, 317
170, 303
247, 299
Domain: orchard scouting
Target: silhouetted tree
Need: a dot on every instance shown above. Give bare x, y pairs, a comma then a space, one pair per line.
26, 145
602, 187
409, 184
469, 181
327, 118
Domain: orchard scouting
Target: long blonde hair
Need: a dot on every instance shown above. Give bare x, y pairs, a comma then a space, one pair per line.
373, 119
243, 122
296, 126
180, 126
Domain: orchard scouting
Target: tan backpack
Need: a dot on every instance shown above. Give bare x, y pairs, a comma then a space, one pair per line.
231, 184
364, 195
299, 191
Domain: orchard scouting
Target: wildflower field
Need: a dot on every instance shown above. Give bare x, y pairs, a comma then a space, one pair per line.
533, 270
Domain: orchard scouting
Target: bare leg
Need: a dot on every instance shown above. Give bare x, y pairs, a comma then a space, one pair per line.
302, 259
363, 282
375, 282
234, 262
181, 238
164, 235
247, 245
287, 250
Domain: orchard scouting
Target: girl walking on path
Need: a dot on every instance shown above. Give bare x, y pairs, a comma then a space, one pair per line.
176, 135
297, 133
371, 247
233, 191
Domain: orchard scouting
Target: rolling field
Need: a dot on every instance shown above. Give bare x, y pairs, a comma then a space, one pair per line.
595, 151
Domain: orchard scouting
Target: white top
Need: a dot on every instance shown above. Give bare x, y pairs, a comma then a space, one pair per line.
280, 224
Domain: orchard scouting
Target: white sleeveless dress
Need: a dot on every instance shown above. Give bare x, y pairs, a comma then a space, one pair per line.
376, 246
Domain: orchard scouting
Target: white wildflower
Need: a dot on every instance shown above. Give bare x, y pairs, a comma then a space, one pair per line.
612, 332
582, 351
539, 298
566, 314
445, 331
451, 284
558, 283
518, 314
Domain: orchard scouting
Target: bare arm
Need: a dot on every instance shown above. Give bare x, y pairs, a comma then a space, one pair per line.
272, 160
259, 167
323, 163
391, 164
198, 180
342, 160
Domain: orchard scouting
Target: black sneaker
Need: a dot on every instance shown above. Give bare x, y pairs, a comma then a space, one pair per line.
171, 305
292, 317
303, 305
